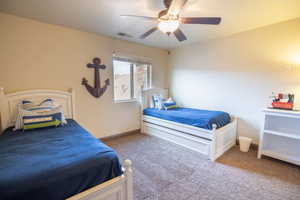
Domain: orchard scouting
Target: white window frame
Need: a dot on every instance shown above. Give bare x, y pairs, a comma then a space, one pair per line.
132, 81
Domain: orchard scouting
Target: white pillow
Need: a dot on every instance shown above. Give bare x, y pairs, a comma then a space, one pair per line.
157, 101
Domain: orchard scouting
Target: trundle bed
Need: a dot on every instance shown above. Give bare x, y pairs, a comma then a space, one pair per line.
211, 140
64, 162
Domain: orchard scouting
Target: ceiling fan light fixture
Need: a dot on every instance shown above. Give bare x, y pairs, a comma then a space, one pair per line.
168, 26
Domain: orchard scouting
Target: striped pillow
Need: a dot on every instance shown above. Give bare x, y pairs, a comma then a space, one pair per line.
157, 101
169, 105
27, 104
45, 114
41, 121
47, 102
45, 106
35, 119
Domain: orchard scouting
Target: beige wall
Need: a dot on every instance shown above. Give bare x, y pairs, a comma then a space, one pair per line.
38, 55
237, 74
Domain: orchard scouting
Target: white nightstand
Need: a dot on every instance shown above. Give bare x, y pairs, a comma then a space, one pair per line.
280, 135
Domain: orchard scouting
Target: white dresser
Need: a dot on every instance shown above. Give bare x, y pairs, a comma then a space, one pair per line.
280, 135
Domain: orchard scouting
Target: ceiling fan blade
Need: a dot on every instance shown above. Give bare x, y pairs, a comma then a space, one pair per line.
201, 20
148, 33
141, 17
176, 6
179, 35
122, 34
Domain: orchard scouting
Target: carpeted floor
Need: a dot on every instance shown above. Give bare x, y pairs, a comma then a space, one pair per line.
166, 171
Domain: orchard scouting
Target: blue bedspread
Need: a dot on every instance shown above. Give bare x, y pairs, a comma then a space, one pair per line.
53, 163
194, 117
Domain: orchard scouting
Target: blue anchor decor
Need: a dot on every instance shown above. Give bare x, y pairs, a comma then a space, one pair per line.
96, 91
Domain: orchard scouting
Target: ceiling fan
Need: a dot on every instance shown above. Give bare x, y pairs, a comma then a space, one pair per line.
169, 20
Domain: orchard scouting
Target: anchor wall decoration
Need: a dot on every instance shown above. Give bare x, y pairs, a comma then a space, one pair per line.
96, 91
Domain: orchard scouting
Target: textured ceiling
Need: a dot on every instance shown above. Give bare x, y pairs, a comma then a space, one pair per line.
102, 16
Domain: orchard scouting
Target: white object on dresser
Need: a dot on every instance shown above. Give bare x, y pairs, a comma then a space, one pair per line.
211, 143
118, 188
280, 135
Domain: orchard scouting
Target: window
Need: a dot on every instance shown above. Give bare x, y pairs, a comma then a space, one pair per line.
129, 77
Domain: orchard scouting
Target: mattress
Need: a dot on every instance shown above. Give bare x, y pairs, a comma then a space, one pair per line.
53, 163
193, 117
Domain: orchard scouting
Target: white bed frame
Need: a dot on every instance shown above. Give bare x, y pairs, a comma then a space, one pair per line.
211, 143
119, 188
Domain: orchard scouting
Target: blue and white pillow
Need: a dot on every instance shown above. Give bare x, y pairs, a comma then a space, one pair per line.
169, 104
51, 118
45, 114
45, 106
27, 104
47, 102
157, 101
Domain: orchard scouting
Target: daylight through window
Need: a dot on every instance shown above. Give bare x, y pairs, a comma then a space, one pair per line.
129, 77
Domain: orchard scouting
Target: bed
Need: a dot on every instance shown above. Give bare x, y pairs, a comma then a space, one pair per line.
65, 162
210, 133
194, 117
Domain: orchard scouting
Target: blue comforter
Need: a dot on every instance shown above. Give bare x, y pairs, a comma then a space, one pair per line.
53, 163
189, 116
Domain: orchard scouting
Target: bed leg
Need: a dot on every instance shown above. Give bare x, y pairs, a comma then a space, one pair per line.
142, 124
213, 146
129, 179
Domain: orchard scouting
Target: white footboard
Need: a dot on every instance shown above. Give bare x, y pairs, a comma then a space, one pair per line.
224, 139
119, 188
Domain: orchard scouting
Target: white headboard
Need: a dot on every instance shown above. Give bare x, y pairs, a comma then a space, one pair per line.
146, 96
9, 103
